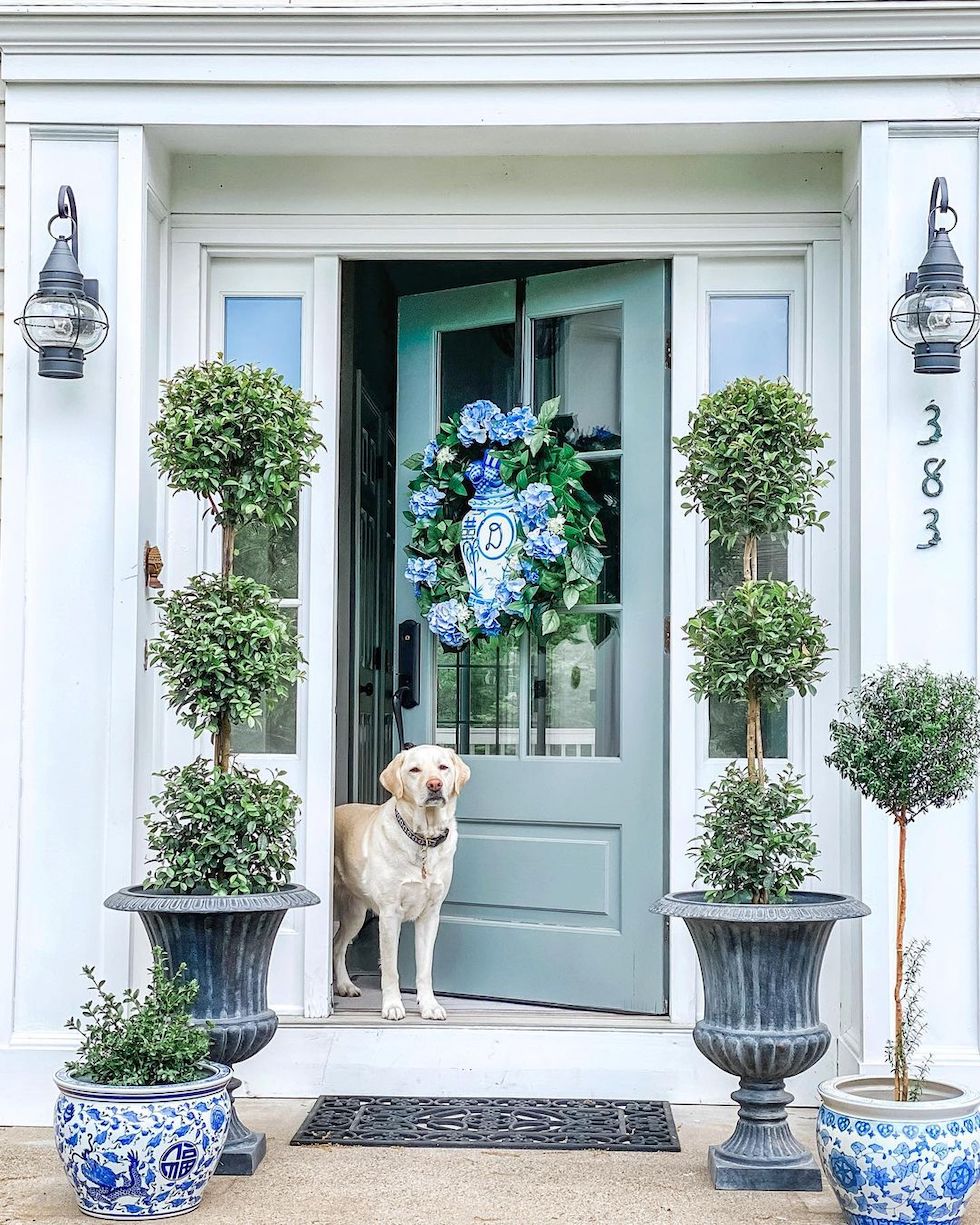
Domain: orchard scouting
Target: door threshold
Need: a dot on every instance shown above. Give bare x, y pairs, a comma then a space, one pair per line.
530, 1018
365, 1010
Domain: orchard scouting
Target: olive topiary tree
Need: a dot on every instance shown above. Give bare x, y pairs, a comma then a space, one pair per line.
908, 740
243, 440
753, 468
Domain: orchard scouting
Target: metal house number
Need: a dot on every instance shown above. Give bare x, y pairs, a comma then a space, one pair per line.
932, 481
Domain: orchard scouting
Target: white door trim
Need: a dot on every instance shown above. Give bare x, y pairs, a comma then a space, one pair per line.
196, 241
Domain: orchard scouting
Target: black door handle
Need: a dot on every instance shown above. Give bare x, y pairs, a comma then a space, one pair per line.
367, 690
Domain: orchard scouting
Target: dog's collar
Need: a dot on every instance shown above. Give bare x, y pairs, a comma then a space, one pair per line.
421, 839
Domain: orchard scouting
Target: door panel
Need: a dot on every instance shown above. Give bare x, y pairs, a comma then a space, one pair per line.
562, 827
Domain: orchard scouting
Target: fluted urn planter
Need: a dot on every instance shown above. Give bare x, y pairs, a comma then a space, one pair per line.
761, 969
226, 943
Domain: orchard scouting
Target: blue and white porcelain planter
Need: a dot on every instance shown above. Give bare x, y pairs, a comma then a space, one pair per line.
135, 1152
914, 1163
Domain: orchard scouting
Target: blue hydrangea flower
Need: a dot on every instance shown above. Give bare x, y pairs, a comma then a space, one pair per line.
474, 420
447, 619
545, 545
425, 502
508, 427
846, 1171
512, 584
488, 619
959, 1178
421, 571
530, 571
430, 453
535, 504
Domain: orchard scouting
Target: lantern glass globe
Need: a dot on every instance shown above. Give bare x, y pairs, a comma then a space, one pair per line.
59, 320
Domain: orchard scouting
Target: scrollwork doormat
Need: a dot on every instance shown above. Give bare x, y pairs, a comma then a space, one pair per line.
491, 1122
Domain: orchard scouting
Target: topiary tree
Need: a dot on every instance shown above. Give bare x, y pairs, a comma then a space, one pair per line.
243, 440
908, 740
752, 468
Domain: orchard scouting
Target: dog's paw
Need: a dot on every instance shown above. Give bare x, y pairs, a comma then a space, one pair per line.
393, 1012
432, 1010
348, 990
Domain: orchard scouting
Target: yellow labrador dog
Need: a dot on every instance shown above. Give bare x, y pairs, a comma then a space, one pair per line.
397, 860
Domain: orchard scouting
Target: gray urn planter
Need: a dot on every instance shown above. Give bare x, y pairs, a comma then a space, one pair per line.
761, 969
226, 943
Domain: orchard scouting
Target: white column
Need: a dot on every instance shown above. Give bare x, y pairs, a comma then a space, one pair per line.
70, 591
918, 604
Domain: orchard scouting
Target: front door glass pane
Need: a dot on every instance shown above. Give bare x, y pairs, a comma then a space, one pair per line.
576, 688
477, 364
580, 358
477, 690
478, 700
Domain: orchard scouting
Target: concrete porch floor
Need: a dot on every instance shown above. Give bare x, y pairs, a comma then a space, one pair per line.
390, 1186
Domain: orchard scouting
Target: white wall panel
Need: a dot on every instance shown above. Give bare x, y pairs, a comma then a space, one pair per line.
68, 593
931, 595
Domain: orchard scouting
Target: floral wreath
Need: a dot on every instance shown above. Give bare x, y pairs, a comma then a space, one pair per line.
552, 561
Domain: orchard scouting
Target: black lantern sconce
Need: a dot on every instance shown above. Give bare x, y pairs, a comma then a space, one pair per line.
937, 315
63, 322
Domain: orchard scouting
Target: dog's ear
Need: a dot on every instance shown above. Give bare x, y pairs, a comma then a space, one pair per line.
391, 777
462, 772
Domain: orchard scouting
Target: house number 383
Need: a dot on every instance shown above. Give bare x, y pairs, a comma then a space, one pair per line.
932, 481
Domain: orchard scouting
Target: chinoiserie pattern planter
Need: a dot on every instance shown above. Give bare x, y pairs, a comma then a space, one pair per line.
226, 944
914, 1163
133, 1152
761, 969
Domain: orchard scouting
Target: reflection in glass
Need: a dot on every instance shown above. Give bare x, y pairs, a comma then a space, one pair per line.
603, 483
266, 332
725, 563
749, 338
477, 364
575, 690
726, 734
269, 556
275, 730
580, 358
477, 705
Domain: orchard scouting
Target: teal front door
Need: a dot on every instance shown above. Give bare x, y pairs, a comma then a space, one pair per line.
563, 824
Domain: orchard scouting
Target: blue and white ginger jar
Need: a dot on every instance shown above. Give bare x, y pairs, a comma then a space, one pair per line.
135, 1152
913, 1163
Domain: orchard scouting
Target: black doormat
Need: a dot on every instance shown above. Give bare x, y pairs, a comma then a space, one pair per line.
491, 1122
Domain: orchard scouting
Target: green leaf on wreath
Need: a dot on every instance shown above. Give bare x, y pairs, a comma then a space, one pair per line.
414, 461
587, 561
550, 621
570, 595
548, 411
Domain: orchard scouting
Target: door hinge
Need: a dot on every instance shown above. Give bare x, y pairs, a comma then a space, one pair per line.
667, 352
667, 635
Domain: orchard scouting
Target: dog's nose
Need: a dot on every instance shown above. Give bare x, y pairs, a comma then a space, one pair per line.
434, 784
